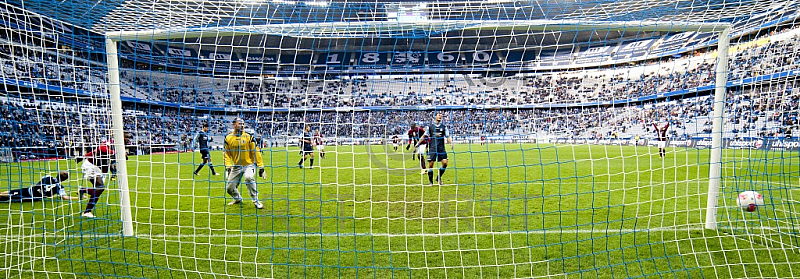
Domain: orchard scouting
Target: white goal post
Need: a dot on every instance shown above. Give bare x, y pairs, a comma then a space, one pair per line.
307, 30
715, 162
118, 127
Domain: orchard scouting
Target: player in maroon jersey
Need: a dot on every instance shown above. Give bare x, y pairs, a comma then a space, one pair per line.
661, 137
96, 164
483, 140
395, 142
420, 145
320, 144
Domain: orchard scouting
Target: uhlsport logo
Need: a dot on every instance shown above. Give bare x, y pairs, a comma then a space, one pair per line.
746, 144
785, 145
679, 143
704, 143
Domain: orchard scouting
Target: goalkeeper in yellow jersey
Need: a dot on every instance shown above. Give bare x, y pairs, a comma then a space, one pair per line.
241, 158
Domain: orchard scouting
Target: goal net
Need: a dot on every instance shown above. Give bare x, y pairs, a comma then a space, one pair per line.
439, 139
54, 109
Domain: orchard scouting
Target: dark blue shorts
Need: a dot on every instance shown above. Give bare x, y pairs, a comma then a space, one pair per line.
24, 194
435, 154
204, 154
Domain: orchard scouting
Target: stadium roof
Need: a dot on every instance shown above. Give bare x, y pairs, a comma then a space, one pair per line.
136, 15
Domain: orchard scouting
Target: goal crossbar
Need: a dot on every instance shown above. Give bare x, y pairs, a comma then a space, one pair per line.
331, 29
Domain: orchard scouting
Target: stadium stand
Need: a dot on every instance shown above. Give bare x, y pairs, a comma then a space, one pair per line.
153, 106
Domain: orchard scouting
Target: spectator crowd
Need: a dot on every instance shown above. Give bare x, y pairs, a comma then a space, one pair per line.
569, 103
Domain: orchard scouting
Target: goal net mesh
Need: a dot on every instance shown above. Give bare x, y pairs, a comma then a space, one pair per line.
578, 138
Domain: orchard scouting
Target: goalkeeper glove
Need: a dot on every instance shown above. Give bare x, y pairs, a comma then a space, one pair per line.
261, 173
227, 172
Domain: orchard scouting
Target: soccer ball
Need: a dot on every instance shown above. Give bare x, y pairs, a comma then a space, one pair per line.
749, 200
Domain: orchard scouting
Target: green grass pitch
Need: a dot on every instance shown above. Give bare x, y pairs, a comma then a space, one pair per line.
506, 210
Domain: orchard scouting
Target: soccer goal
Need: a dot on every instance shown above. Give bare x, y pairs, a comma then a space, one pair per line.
415, 142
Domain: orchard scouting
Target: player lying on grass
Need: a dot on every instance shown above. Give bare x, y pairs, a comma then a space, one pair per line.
47, 187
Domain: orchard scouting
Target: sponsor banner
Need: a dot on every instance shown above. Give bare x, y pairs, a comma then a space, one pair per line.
634, 49
595, 54
261, 59
737, 143
680, 143
784, 145
674, 42
744, 144
702, 143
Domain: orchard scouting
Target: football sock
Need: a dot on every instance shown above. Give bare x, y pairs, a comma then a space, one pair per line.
430, 175
94, 196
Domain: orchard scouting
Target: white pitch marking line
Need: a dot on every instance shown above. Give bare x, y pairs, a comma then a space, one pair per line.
266, 234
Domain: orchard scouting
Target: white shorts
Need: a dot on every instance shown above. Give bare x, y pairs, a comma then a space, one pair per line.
238, 173
320, 147
422, 149
394, 145
90, 171
662, 144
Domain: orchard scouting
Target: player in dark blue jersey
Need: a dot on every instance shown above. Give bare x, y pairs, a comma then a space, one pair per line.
201, 140
47, 187
307, 145
438, 135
